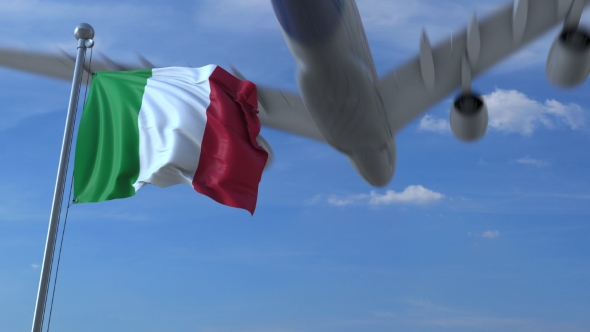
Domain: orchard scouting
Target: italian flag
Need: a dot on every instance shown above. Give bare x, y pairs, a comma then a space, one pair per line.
168, 126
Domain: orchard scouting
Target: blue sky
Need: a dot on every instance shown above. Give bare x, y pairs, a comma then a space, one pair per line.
490, 236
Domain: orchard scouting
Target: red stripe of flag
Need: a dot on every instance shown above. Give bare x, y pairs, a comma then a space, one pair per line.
231, 161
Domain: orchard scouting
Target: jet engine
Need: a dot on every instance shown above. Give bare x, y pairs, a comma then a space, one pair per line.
469, 117
568, 63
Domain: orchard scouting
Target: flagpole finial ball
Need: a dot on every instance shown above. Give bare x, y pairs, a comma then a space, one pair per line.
84, 31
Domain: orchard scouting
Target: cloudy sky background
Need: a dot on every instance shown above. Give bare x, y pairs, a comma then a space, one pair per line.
490, 236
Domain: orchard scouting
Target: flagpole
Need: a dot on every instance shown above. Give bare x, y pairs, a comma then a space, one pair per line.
84, 34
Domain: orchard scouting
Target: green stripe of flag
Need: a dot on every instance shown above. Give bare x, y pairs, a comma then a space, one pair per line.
107, 148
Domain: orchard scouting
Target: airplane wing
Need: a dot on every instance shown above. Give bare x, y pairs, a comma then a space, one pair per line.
280, 109
285, 111
57, 65
413, 88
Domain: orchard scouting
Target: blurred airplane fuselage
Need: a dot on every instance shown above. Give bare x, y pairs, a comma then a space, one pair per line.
338, 82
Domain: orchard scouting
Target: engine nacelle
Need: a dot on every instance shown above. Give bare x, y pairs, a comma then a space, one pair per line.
469, 117
568, 63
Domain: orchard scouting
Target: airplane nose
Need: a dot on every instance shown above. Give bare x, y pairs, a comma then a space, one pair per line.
309, 22
376, 166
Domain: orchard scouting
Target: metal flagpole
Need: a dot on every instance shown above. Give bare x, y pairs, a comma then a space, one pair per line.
84, 34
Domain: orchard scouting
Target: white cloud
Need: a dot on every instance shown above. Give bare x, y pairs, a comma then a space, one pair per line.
512, 111
35, 266
531, 161
414, 194
340, 201
490, 234
237, 15
401, 22
430, 123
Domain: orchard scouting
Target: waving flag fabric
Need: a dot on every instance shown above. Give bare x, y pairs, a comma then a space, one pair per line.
168, 126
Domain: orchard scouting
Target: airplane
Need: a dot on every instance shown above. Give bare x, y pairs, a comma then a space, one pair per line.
343, 101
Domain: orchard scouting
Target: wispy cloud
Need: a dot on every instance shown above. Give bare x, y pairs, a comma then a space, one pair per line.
401, 23
30, 13
414, 194
421, 312
429, 306
534, 162
15, 204
437, 125
345, 201
315, 199
112, 214
237, 15
491, 234
14, 116
385, 314
511, 111
35, 266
